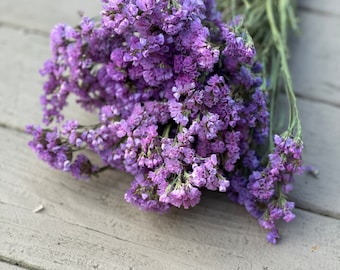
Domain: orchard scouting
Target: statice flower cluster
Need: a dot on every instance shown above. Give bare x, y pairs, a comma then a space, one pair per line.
180, 103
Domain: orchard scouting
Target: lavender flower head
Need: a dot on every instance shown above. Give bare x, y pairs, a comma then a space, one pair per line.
180, 103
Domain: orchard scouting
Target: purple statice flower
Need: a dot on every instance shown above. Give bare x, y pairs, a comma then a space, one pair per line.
143, 194
272, 236
70, 131
284, 162
82, 167
49, 147
87, 25
251, 160
310, 169
180, 106
58, 153
286, 159
206, 174
261, 185
184, 195
176, 112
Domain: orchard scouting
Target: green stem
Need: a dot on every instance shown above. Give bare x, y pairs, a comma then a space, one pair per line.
280, 44
273, 95
166, 131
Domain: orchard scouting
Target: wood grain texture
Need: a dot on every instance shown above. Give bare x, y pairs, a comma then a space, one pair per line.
321, 134
21, 84
88, 225
315, 57
6, 266
325, 7
42, 15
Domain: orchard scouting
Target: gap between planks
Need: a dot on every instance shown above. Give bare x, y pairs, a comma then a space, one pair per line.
25, 29
8, 263
209, 195
40, 32
318, 100
315, 11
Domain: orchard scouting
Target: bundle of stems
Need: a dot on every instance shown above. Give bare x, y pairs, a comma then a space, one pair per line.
268, 22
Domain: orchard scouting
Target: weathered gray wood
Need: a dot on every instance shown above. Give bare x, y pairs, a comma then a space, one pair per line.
52, 243
30, 13
326, 7
315, 57
88, 224
41, 15
6, 266
21, 84
321, 134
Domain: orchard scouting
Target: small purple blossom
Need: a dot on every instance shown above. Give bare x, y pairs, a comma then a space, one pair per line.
185, 195
272, 236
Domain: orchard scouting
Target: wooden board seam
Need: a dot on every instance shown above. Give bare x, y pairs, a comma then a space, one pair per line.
316, 11
24, 28
75, 224
19, 263
317, 100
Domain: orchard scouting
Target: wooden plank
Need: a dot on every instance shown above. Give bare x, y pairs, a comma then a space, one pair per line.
23, 54
321, 133
21, 84
29, 14
325, 7
41, 15
315, 57
88, 224
50, 243
6, 266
